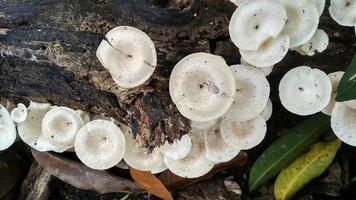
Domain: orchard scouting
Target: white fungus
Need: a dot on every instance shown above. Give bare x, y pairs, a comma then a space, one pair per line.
7, 129
83, 115
343, 12
178, 149
19, 114
203, 125
343, 123
335, 78
318, 43
267, 112
202, 87
305, 91
320, 5
265, 69
351, 104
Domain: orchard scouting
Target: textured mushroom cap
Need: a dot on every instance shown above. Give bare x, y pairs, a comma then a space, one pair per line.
83, 115
202, 125
216, 149
202, 86
303, 20
267, 112
7, 129
255, 21
19, 114
320, 5
178, 149
100, 144
195, 164
319, 42
305, 91
252, 93
343, 12
243, 135
351, 104
129, 55
343, 123
60, 125
271, 52
335, 78
265, 69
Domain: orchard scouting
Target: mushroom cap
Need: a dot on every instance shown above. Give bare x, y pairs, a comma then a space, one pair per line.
129, 54
343, 12
319, 42
237, 2
305, 91
216, 149
100, 144
255, 21
178, 149
243, 135
320, 5
19, 114
343, 123
351, 104
60, 125
303, 20
252, 93
265, 69
203, 125
195, 164
267, 112
271, 52
202, 87
7, 129
335, 78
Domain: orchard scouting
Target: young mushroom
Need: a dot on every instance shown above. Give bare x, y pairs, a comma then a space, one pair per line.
335, 78
343, 12
178, 149
129, 55
19, 114
100, 144
343, 123
7, 129
255, 21
318, 43
305, 91
202, 87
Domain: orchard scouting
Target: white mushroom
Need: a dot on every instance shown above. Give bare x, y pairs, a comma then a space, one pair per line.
203, 125
100, 144
319, 42
271, 52
178, 149
195, 164
7, 129
267, 112
351, 104
19, 114
243, 135
252, 93
83, 115
129, 54
305, 91
335, 78
255, 21
320, 5
202, 86
237, 2
60, 126
303, 20
343, 12
265, 69
343, 123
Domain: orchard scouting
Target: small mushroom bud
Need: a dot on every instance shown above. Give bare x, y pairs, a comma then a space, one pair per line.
7, 129
343, 12
343, 123
178, 149
19, 114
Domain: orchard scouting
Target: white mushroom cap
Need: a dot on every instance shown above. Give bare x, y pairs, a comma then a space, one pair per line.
202, 86
159, 169
305, 91
343, 123
195, 164
255, 21
267, 112
265, 69
83, 115
19, 114
243, 135
178, 149
303, 20
216, 149
343, 12
252, 93
320, 5
203, 125
7, 129
237, 2
351, 104
100, 144
60, 125
271, 52
129, 54
335, 78
95, 117
319, 42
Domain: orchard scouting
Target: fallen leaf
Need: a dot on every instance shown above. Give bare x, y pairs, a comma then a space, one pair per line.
347, 86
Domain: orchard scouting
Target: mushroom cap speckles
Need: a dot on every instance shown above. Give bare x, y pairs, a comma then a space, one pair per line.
7, 129
178, 149
255, 21
100, 144
252, 93
303, 20
343, 12
19, 114
305, 91
319, 42
271, 52
202, 87
243, 135
129, 55
335, 78
343, 123
194, 164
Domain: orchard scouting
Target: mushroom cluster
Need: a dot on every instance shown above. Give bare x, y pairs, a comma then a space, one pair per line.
343, 12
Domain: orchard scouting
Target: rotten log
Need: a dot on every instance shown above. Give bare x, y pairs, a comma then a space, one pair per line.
47, 52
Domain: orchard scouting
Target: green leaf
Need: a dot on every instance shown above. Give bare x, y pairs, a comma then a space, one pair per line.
283, 151
347, 86
305, 168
